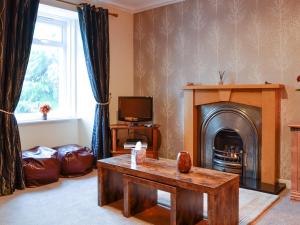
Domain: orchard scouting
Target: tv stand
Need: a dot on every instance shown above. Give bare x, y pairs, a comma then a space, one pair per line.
133, 124
118, 149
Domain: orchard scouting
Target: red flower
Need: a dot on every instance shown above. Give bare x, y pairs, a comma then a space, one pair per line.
298, 78
45, 108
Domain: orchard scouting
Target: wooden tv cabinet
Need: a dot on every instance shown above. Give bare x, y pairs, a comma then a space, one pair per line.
295, 164
152, 150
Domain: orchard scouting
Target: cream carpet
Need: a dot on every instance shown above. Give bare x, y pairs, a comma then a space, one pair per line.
73, 201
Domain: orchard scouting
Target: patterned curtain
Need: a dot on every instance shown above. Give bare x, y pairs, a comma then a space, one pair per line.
95, 37
17, 21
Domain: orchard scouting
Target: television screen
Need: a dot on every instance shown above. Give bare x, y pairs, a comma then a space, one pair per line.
135, 108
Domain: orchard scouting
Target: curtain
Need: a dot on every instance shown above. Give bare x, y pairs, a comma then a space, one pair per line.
95, 37
17, 21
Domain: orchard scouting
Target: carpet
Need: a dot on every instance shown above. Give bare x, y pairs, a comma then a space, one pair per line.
73, 201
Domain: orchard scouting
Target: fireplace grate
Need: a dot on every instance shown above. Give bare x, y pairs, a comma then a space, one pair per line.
228, 160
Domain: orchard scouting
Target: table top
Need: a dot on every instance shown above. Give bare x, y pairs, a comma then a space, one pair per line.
165, 171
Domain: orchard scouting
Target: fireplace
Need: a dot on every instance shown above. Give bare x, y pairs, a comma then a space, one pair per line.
230, 138
235, 128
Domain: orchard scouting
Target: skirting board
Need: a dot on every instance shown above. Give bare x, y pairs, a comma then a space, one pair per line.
286, 182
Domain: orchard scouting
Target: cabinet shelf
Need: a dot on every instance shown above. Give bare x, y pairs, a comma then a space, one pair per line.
152, 150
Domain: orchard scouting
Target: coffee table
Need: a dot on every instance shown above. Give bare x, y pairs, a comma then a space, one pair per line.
120, 178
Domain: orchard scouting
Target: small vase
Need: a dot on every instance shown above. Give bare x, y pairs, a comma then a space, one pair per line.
139, 156
44, 116
184, 162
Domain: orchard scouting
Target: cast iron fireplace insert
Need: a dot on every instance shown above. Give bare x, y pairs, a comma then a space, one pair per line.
231, 142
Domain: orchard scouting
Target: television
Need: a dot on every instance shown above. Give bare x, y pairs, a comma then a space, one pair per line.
135, 109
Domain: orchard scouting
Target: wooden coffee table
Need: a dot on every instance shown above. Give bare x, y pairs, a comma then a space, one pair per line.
119, 178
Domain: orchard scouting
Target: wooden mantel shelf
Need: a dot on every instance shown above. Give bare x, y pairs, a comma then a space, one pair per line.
233, 86
294, 125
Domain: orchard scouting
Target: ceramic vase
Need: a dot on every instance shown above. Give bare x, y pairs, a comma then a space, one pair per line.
44, 116
184, 162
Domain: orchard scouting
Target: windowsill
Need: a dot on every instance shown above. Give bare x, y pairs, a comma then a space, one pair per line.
49, 120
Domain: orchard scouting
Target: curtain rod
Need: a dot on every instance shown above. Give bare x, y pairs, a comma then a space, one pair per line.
71, 3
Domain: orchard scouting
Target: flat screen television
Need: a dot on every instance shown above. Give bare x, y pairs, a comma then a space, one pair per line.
135, 109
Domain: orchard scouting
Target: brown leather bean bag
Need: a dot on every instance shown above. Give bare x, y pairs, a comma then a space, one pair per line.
75, 160
41, 166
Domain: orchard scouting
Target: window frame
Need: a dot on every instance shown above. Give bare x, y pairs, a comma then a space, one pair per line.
68, 20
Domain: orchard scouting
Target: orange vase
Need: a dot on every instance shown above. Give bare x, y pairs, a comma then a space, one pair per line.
184, 162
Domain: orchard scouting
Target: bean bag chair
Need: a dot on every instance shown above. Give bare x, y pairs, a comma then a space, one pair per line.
41, 166
75, 160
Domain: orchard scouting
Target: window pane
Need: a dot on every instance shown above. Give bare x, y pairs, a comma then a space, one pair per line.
41, 84
47, 31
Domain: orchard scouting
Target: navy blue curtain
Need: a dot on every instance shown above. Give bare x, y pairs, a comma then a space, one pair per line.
17, 21
95, 37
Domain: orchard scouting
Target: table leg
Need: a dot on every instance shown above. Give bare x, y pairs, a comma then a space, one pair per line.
223, 205
110, 186
154, 142
114, 140
188, 206
137, 198
173, 209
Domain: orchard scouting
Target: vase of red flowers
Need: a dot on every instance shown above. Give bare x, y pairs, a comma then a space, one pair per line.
44, 109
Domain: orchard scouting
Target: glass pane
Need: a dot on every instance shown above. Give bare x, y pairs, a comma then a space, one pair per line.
41, 84
48, 31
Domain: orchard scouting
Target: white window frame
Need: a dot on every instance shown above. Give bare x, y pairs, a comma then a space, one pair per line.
68, 20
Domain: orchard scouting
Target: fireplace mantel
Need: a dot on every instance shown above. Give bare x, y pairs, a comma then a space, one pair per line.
233, 86
265, 96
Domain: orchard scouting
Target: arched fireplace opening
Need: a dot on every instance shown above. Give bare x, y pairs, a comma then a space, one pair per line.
230, 138
228, 152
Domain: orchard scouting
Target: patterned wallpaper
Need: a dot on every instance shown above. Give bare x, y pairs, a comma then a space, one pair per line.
252, 40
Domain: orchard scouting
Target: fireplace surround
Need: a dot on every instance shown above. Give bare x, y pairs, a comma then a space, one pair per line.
248, 118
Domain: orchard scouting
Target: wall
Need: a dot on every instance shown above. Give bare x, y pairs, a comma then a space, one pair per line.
252, 40
121, 83
49, 133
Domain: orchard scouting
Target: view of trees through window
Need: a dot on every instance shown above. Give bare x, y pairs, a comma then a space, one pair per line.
41, 81
45, 77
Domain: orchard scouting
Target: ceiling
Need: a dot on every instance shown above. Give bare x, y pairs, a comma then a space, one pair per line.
135, 6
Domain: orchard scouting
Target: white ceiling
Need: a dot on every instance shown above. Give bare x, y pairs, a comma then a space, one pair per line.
135, 6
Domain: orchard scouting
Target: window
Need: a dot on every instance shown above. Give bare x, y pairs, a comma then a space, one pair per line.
50, 75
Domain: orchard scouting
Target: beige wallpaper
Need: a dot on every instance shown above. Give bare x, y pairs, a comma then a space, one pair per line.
252, 40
